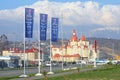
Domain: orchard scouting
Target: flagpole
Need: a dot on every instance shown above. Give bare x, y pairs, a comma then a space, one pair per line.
50, 51
24, 71
62, 43
24, 59
39, 62
62, 52
39, 56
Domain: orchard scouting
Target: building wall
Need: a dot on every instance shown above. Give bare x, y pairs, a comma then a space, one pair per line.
73, 48
27, 56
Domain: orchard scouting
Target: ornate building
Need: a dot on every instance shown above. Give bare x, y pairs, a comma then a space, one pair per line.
76, 49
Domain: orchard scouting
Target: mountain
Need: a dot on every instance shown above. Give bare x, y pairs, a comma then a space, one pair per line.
107, 33
108, 47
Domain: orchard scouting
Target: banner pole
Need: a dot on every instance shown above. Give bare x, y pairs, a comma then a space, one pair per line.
24, 59
39, 56
50, 50
24, 71
62, 43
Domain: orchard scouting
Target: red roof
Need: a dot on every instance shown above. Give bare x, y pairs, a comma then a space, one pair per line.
57, 55
83, 38
32, 50
85, 46
74, 55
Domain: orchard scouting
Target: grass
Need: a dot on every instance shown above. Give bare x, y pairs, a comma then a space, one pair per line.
7, 78
107, 73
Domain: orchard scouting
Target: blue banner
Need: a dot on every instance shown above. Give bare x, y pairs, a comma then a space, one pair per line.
54, 31
29, 16
43, 26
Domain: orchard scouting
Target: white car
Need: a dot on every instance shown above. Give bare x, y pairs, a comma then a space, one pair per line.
47, 63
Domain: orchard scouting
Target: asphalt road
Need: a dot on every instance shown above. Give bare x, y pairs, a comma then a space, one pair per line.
7, 73
57, 74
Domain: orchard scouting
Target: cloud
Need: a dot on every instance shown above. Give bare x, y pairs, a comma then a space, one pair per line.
78, 15
107, 28
109, 15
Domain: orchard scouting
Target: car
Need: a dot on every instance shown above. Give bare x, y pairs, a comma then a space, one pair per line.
65, 64
47, 63
118, 63
54, 64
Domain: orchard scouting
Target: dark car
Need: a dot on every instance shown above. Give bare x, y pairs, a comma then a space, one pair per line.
65, 64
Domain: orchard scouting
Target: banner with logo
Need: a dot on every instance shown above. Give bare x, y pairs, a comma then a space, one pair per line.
43, 26
29, 18
54, 29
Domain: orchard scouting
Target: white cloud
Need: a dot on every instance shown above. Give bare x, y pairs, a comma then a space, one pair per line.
110, 15
71, 13
107, 28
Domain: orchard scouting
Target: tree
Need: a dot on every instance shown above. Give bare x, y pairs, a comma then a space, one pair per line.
3, 43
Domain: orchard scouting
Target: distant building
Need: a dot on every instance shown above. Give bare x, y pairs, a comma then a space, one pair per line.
9, 61
76, 49
30, 55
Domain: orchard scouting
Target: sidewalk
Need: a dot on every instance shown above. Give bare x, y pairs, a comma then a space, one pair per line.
56, 74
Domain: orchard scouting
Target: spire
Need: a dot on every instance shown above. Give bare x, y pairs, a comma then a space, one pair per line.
83, 38
74, 37
74, 32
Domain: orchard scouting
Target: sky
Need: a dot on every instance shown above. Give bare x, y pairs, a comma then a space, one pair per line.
92, 18
11, 4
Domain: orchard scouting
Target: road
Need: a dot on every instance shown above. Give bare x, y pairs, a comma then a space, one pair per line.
56, 74
6, 73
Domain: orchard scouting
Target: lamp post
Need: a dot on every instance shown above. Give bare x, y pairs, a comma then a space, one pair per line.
81, 54
113, 50
14, 40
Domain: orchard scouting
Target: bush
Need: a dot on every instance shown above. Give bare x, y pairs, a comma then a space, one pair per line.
109, 63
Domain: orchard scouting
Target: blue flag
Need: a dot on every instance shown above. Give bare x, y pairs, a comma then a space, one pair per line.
29, 16
54, 32
43, 26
